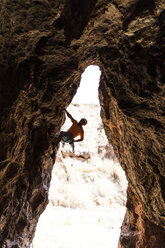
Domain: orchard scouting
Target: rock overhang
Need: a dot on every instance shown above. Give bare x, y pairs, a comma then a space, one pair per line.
45, 46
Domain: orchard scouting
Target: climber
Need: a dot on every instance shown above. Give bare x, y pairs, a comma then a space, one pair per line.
74, 131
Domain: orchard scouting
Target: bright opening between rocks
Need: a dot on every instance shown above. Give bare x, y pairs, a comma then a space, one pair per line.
88, 193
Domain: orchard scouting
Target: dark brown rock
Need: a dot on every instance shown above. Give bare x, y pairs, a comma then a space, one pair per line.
44, 47
137, 230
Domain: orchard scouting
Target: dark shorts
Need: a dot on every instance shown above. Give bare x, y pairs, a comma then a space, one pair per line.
67, 138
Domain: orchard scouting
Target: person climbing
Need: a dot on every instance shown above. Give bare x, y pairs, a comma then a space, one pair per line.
74, 131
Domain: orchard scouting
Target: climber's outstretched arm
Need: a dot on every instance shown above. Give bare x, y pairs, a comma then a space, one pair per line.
69, 115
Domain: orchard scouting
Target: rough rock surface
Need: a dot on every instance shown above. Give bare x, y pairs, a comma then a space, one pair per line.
137, 230
44, 47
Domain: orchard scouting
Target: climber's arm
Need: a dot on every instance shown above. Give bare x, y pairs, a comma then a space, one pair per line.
78, 140
81, 137
69, 115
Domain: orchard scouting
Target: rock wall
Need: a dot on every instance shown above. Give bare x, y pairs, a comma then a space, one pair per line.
137, 230
44, 47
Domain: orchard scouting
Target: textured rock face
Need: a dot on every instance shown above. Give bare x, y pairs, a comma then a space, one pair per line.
44, 47
137, 230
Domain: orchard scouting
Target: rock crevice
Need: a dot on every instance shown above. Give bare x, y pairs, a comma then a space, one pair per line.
44, 47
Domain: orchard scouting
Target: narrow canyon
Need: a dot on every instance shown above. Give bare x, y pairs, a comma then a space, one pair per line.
45, 45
